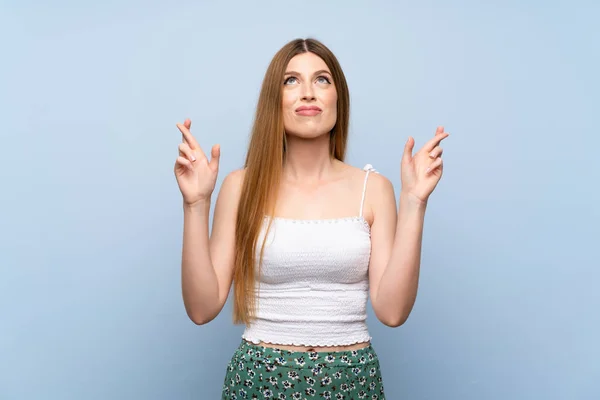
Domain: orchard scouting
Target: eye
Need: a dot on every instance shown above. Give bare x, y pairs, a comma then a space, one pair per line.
323, 79
287, 81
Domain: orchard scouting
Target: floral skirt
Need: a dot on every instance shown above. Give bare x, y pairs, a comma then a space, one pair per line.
257, 372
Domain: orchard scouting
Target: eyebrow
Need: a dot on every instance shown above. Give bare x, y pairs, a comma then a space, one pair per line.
321, 71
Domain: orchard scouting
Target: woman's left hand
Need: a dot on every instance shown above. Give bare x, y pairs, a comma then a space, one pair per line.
421, 173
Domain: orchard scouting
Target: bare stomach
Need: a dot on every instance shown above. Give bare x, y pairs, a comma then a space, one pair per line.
355, 346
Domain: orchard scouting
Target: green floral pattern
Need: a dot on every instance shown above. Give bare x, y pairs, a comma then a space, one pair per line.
257, 372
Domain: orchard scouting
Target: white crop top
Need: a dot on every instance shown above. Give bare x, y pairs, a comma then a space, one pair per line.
314, 281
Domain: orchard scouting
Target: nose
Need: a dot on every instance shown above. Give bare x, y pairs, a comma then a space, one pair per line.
308, 93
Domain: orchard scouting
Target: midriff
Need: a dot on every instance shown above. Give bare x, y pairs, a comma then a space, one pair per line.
351, 347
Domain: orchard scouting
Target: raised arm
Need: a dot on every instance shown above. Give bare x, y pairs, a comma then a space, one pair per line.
206, 262
396, 236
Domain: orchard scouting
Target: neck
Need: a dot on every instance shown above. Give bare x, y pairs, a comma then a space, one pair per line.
307, 159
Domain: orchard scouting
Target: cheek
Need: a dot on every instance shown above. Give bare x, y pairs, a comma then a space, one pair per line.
287, 101
329, 97
332, 103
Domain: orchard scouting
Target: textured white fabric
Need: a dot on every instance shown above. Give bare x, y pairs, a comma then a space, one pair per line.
313, 286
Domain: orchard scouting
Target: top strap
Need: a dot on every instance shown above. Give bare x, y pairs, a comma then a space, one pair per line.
369, 168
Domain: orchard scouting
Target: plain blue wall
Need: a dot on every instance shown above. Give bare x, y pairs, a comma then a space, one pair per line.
91, 219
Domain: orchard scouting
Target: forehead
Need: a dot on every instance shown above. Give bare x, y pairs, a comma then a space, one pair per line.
307, 63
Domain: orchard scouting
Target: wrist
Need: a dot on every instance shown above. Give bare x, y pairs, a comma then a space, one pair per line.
413, 202
197, 206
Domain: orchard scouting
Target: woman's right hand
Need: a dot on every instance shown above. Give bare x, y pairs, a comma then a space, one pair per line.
196, 175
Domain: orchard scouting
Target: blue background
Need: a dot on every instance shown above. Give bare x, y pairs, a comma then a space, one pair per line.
90, 213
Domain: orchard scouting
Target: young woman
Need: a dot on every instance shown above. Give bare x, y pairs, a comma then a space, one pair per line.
305, 238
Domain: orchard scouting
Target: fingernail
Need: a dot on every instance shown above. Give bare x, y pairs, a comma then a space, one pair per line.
193, 158
431, 155
428, 169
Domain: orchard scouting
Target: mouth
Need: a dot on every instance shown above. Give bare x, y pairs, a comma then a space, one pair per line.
308, 110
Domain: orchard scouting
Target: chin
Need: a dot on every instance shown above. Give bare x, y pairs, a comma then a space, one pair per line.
309, 132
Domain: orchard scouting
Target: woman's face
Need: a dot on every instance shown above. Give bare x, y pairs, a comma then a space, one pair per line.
309, 97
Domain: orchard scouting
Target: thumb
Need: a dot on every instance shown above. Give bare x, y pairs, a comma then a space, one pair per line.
408, 148
187, 123
215, 155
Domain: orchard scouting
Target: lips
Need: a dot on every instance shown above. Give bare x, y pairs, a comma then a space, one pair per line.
308, 110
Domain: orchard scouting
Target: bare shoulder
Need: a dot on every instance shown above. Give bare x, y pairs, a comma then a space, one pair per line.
379, 183
380, 198
376, 181
235, 177
233, 182
231, 188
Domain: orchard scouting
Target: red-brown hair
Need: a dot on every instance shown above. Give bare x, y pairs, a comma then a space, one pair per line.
264, 163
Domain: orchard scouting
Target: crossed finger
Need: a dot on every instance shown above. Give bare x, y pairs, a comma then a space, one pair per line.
436, 152
186, 151
435, 141
190, 140
437, 163
188, 124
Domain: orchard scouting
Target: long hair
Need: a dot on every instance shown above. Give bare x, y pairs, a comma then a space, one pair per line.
264, 164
